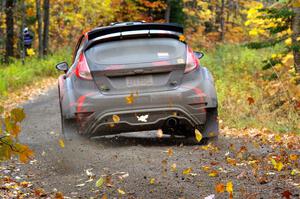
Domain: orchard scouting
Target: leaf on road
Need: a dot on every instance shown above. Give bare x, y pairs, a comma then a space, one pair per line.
220, 188
170, 152
173, 167
286, 194
277, 165
212, 196
152, 181
61, 143
293, 157
198, 135
120, 191
187, 171
99, 182
104, 196
213, 173
229, 189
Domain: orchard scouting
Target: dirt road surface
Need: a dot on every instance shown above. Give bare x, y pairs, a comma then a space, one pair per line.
140, 165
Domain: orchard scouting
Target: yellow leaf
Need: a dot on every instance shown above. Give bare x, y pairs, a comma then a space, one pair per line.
173, 167
61, 143
288, 42
170, 152
187, 171
104, 196
205, 168
99, 182
279, 166
120, 191
30, 52
198, 135
182, 38
220, 188
229, 187
213, 173
116, 118
152, 181
277, 138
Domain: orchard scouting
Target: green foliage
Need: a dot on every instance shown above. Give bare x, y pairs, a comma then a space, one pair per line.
17, 75
238, 77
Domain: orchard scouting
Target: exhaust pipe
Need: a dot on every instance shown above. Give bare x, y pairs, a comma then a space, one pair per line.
172, 122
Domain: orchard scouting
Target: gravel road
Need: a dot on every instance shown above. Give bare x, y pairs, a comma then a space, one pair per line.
140, 165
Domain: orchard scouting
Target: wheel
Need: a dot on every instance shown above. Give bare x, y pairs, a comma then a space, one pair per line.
209, 131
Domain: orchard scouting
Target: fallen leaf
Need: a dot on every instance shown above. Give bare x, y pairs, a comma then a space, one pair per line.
59, 195
213, 173
212, 196
293, 157
152, 181
170, 152
120, 191
229, 188
173, 167
61, 143
99, 182
104, 196
187, 171
220, 188
287, 194
198, 135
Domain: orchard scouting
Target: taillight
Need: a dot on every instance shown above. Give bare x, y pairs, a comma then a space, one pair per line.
192, 62
82, 69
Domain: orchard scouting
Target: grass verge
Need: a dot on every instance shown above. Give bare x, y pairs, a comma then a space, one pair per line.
16, 75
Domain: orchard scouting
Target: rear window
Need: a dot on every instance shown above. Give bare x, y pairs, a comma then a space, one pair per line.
136, 51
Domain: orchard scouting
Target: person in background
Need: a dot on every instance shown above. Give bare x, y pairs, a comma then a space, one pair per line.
27, 39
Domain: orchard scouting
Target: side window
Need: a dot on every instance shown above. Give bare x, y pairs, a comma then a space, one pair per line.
78, 46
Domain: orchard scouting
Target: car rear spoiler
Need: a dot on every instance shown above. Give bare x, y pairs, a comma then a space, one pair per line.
111, 30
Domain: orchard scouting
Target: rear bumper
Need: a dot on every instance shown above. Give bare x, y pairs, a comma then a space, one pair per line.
139, 120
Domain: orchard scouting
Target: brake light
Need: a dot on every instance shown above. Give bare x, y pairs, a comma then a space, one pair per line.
192, 62
82, 68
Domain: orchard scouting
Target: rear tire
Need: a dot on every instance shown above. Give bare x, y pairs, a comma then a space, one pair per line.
210, 130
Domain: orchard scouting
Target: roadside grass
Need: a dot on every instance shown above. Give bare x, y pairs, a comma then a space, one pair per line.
243, 98
16, 75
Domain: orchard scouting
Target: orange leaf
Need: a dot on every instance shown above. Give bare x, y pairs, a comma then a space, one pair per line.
220, 188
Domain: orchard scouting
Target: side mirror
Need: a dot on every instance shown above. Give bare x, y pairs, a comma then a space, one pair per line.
199, 55
63, 66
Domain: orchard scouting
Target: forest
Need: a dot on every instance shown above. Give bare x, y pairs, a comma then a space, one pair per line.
252, 48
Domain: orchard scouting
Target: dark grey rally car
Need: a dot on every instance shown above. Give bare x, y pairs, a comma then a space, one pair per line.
137, 76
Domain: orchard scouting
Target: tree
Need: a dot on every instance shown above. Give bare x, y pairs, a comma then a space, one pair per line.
296, 37
39, 20
46, 27
222, 20
9, 7
168, 11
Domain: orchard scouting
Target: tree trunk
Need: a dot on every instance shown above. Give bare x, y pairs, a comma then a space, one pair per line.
296, 34
168, 11
23, 17
46, 27
222, 21
39, 18
9, 29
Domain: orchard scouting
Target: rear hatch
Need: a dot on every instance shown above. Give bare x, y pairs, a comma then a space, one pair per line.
137, 65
